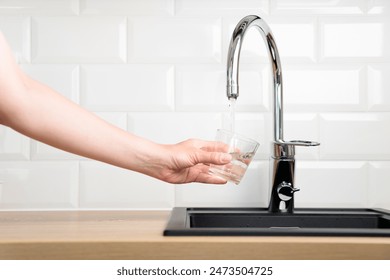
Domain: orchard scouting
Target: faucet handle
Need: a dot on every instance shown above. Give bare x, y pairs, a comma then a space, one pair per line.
286, 149
286, 191
301, 143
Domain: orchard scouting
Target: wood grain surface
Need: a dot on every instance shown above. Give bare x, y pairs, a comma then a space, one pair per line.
138, 235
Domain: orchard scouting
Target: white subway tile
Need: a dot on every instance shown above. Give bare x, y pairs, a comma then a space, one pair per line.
41, 151
203, 88
172, 128
127, 87
355, 136
79, 39
295, 38
331, 184
62, 78
39, 185
330, 87
379, 178
294, 7
105, 186
13, 145
378, 7
356, 38
221, 7
16, 30
196, 40
251, 192
39, 7
200, 87
133, 7
379, 87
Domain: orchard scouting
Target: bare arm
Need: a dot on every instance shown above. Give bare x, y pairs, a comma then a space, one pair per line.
39, 112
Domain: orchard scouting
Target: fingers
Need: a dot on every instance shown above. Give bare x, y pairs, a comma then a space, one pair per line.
195, 156
210, 179
212, 158
204, 145
214, 146
205, 177
210, 152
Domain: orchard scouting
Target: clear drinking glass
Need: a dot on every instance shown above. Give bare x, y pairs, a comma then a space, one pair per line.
242, 150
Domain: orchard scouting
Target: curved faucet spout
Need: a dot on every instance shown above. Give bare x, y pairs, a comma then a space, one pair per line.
233, 64
283, 158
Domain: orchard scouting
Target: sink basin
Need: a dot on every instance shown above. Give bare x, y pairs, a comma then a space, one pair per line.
259, 222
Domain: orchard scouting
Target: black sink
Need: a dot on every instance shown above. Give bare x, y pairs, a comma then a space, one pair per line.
259, 222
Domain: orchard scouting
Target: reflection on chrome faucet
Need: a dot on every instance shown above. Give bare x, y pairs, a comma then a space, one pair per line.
282, 163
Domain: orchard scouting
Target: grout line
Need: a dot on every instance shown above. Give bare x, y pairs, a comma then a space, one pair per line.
174, 8
78, 12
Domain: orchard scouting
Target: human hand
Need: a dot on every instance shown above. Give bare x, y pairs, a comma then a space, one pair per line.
189, 161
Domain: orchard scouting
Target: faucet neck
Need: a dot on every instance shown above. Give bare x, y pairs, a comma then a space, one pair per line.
233, 67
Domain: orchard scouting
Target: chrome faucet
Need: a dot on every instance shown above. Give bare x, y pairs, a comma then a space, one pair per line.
282, 162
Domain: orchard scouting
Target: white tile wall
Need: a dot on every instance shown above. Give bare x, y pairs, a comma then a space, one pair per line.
379, 87
319, 7
17, 31
78, 39
162, 63
379, 193
13, 145
341, 36
125, 7
127, 87
39, 185
355, 136
104, 186
182, 39
221, 7
346, 187
39, 7
378, 7
326, 87
166, 125
296, 38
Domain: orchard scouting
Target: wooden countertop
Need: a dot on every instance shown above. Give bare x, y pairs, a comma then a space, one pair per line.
138, 235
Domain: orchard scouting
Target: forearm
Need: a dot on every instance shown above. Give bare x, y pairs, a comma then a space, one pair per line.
46, 116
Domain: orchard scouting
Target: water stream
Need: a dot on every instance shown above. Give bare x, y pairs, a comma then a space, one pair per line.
232, 114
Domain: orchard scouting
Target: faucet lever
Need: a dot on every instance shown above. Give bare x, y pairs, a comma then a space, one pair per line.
303, 143
286, 149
